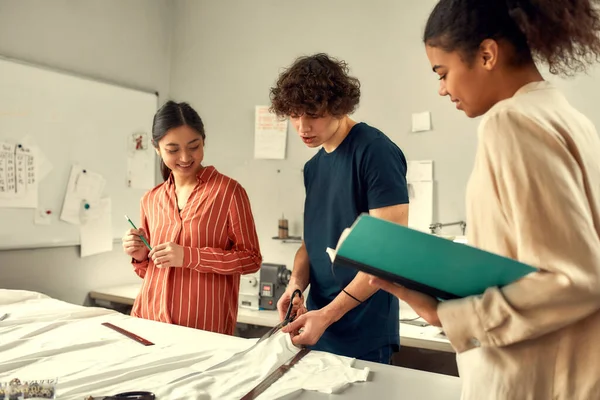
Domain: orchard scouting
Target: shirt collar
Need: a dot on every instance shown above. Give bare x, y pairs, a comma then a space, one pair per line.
202, 175
533, 86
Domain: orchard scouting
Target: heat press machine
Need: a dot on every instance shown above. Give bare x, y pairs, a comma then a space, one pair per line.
263, 289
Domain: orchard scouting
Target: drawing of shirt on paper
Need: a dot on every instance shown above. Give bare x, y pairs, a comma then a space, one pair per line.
18, 182
139, 141
89, 185
83, 194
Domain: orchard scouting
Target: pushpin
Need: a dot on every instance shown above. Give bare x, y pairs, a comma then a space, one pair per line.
20, 146
86, 206
84, 171
48, 212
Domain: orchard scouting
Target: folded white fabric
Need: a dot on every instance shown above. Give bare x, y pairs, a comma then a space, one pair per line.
231, 376
320, 372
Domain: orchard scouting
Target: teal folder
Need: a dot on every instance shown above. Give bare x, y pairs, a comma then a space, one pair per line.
423, 262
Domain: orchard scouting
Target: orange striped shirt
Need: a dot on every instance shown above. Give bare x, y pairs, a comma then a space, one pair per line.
216, 229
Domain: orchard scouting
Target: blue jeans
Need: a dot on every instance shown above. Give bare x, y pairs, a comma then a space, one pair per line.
382, 355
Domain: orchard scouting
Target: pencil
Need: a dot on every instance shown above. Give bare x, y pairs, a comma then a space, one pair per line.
141, 237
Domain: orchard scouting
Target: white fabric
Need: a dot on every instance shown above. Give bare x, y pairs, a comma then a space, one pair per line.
45, 338
240, 373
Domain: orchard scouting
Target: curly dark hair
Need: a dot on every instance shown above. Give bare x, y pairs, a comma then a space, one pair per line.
561, 33
315, 85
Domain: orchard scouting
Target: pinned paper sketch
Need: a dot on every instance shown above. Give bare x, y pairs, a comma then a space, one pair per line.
96, 232
421, 122
420, 213
8, 182
18, 182
139, 141
140, 171
419, 177
42, 217
140, 162
270, 134
43, 165
83, 191
419, 171
87, 210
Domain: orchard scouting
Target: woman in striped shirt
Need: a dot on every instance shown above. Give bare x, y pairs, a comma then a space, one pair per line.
200, 226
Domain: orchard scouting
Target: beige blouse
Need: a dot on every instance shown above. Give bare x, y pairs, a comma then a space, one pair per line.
534, 195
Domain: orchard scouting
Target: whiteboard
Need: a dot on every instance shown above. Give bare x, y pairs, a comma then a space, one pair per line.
73, 120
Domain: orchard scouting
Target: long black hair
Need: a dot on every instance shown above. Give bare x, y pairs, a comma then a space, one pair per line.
561, 33
173, 115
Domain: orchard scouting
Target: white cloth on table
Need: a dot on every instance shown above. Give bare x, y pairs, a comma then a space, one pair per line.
45, 338
231, 376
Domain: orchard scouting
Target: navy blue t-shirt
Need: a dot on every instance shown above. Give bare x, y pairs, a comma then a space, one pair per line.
366, 171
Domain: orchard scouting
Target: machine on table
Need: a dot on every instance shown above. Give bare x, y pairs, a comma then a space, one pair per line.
263, 291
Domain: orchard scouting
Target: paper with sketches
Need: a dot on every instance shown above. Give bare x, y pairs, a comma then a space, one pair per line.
420, 214
43, 165
18, 181
84, 191
96, 230
419, 171
140, 162
139, 141
7, 171
270, 134
421, 122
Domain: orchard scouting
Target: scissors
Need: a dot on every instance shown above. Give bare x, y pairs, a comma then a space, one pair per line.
286, 320
126, 396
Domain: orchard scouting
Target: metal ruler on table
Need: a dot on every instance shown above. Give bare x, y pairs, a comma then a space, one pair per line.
275, 375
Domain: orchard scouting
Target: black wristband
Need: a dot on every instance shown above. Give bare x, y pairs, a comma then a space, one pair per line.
344, 290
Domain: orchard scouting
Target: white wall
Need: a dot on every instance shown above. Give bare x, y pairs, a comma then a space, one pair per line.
227, 54
126, 42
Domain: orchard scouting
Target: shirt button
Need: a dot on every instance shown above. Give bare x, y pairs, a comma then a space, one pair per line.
475, 342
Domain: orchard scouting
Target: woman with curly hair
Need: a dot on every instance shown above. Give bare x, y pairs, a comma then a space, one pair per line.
357, 170
534, 196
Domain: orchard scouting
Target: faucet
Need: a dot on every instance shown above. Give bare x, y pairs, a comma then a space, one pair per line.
435, 227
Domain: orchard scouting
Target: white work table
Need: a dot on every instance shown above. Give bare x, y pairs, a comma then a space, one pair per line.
96, 360
427, 337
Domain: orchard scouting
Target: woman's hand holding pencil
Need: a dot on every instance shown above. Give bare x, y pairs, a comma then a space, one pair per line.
134, 246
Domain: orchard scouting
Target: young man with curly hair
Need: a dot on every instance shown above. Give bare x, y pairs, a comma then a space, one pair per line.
357, 170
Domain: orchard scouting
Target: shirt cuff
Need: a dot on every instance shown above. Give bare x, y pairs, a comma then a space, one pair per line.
461, 324
191, 257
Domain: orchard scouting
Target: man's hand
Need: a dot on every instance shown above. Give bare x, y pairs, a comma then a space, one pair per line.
422, 304
167, 255
284, 302
308, 328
